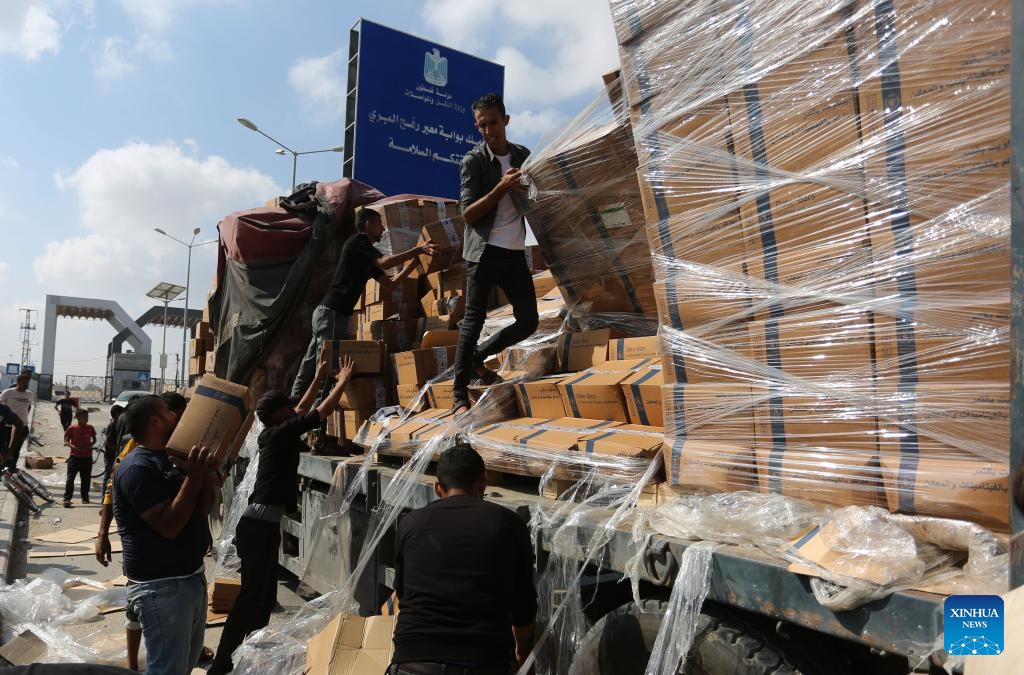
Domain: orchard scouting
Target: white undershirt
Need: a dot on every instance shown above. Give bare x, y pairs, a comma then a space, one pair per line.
508, 230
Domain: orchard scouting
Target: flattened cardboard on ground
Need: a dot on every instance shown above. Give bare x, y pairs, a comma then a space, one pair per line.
25, 649
71, 535
56, 551
351, 645
218, 416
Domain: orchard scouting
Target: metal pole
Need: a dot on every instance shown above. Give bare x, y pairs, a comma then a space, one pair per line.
163, 349
1017, 291
295, 165
184, 321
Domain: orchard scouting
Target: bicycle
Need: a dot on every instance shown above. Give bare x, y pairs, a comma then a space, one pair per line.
19, 490
35, 485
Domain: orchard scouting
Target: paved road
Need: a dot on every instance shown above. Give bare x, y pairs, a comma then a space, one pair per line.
106, 633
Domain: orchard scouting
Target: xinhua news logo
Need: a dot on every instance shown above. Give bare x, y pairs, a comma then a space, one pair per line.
973, 625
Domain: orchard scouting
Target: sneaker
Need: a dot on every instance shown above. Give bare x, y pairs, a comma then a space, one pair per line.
67, 503
86, 501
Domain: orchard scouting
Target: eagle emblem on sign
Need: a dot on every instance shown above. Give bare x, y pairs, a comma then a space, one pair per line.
435, 68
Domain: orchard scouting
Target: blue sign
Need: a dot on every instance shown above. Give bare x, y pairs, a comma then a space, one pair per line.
973, 625
413, 119
13, 368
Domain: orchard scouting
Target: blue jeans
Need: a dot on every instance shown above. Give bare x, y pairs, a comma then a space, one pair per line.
327, 325
173, 618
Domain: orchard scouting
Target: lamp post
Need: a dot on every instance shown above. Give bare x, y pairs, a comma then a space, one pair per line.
166, 293
188, 278
284, 149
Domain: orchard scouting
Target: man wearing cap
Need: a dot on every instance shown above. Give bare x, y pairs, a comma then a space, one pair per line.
258, 533
359, 262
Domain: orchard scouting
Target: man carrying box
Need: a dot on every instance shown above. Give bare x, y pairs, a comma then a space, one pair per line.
494, 245
258, 533
359, 262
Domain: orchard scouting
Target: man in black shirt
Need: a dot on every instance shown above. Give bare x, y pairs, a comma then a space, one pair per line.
464, 579
258, 533
66, 407
359, 262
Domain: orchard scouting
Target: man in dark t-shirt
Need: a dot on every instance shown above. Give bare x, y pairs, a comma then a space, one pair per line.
161, 507
464, 578
359, 262
9, 424
258, 533
66, 409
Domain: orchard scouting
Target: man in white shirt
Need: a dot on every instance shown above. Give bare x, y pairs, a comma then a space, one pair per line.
19, 399
494, 246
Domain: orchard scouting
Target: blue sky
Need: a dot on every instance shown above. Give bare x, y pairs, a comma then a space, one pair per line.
119, 116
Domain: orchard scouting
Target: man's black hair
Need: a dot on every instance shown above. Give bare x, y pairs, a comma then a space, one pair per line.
363, 217
460, 467
138, 413
175, 401
490, 100
115, 411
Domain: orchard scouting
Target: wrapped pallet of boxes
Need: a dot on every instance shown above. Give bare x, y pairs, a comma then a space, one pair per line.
832, 242
589, 220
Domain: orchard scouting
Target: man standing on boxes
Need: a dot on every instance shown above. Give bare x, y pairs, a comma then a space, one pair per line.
464, 579
161, 506
359, 262
494, 246
258, 533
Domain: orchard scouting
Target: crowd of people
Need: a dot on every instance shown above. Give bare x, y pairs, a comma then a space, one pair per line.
464, 566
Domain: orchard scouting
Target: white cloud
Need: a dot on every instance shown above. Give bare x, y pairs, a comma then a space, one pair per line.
28, 29
320, 84
9, 163
157, 15
126, 192
111, 63
536, 124
575, 43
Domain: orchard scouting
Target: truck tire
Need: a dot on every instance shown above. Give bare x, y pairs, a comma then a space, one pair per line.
620, 643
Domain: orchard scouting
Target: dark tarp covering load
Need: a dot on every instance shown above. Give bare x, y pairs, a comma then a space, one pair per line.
273, 268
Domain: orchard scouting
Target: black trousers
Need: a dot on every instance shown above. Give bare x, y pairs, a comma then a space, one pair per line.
15, 450
498, 267
81, 467
65, 419
258, 542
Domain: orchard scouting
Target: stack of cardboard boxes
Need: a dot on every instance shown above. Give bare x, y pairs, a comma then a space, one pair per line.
828, 191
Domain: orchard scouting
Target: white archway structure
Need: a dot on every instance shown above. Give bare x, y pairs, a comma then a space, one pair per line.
88, 308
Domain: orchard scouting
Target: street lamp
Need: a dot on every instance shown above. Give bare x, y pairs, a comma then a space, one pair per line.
166, 293
188, 278
284, 149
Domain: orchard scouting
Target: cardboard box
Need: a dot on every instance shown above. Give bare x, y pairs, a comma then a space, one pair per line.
440, 393
218, 416
535, 360
447, 236
224, 593
816, 420
543, 283
705, 411
540, 397
642, 392
419, 365
535, 259
935, 355
397, 336
722, 355
578, 351
631, 440
595, 395
709, 466
400, 301
832, 476
949, 487
368, 355
36, 462
197, 364
820, 347
563, 434
352, 645
505, 433
621, 349
407, 393
367, 392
